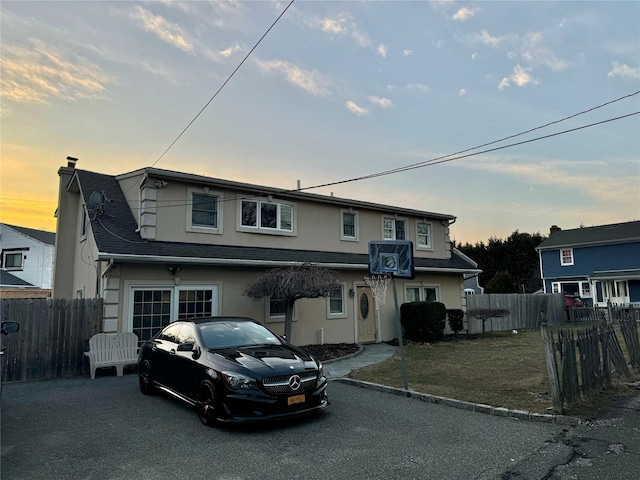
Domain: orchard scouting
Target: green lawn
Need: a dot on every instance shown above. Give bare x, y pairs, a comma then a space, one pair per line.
499, 369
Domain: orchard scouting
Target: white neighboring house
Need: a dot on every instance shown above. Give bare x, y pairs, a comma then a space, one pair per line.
27, 257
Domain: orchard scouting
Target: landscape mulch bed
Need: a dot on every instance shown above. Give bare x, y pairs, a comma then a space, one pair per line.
331, 351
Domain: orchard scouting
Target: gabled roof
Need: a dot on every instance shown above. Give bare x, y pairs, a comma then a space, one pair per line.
116, 238
42, 236
600, 235
160, 174
9, 280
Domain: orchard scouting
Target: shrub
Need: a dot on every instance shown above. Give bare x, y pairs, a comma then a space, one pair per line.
456, 319
423, 321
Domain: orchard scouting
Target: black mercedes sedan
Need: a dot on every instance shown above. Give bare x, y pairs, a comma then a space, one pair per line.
232, 369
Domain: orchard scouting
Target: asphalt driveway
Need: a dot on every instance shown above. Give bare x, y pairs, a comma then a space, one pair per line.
106, 429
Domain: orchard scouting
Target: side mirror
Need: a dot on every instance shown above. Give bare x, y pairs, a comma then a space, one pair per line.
186, 347
10, 327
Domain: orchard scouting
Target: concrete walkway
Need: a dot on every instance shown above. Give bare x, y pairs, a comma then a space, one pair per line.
370, 354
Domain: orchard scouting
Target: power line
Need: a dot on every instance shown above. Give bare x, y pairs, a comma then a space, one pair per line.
438, 160
224, 84
425, 162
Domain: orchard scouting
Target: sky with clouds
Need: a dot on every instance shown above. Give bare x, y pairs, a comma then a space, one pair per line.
334, 91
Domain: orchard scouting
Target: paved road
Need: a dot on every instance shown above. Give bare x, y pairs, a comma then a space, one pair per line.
105, 429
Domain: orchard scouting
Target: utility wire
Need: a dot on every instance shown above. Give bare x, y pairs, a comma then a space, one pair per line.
446, 158
438, 160
224, 84
409, 167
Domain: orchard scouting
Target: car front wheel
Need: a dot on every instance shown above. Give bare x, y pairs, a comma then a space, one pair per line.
205, 405
144, 378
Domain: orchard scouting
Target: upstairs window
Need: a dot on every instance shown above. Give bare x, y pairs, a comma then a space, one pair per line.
423, 235
349, 225
394, 229
12, 260
204, 210
566, 256
266, 216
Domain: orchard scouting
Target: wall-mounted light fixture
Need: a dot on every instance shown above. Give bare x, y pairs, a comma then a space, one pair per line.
174, 270
352, 292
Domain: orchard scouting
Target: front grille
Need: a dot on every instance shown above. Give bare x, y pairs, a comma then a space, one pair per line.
280, 383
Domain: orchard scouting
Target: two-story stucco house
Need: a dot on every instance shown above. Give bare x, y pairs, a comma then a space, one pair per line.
599, 264
159, 245
26, 262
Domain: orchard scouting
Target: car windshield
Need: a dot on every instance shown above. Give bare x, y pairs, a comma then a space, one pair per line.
228, 334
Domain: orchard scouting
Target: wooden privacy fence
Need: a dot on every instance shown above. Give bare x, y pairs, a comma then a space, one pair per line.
51, 339
580, 358
523, 311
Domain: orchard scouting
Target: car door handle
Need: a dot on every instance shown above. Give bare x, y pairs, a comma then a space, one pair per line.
173, 351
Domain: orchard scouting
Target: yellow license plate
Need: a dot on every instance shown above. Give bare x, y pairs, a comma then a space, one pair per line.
295, 399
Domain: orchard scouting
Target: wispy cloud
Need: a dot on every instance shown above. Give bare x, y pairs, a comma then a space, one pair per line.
380, 101
308, 80
464, 14
356, 109
341, 26
485, 38
536, 54
545, 173
624, 71
462, 92
519, 77
407, 52
165, 30
417, 87
37, 74
382, 50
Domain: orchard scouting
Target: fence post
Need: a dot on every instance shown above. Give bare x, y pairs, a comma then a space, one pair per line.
552, 367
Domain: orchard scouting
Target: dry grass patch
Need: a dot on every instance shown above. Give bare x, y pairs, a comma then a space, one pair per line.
498, 369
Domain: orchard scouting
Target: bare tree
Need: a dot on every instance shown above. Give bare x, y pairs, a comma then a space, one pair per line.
288, 284
485, 314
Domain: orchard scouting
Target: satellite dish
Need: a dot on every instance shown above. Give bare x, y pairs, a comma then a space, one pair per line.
95, 204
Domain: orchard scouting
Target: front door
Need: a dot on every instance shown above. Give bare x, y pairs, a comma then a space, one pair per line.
366, 315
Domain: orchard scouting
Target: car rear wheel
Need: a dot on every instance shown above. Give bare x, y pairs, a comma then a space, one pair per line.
205, 403
144, 377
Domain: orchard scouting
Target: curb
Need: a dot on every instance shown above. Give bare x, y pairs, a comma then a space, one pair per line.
475, 407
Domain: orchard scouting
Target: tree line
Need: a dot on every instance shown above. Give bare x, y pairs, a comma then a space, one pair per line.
508, 266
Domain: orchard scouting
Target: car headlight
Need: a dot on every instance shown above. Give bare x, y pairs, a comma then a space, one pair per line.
238, 381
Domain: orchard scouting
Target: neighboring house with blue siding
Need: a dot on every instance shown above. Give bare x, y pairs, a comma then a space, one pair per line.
599, 264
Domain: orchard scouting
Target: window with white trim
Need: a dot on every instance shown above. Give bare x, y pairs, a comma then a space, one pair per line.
151, 312
423, 235
204, 211
265, 216
336, 302
12, 259
566, 256
585, 290
555, 287
422, 293
194, 302
394, 229
153, 308
349, 225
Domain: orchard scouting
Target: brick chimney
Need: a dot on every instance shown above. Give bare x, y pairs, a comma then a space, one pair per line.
554, 229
